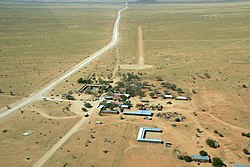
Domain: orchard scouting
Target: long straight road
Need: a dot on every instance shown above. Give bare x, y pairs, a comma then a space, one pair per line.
37, 95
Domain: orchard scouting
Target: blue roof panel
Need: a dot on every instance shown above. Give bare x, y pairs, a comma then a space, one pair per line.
238, 165
199, 157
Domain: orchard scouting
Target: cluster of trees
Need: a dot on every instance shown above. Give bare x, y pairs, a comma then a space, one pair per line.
185, 158
84, 81
131, 84
169, 85
130, 77
111, 106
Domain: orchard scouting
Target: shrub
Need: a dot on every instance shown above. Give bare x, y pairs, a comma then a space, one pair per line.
88, 105
69, 97
179, 90
151, 94
84, 109
203, 153
88, 92
199, 131
207, 75
216, 132
243, 134
217, 162
194, 91
212, 143
180, 157
84, 81
221, 135
187, 158
246, 151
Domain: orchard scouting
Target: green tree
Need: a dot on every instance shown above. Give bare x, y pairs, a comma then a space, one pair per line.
69, 97
179, 90
203, 153
88, 105
246, 151
152, 94
84, 109
212, 143
187, 158
217, 162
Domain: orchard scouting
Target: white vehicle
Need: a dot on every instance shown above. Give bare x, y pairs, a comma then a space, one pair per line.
148, 118
27, 133
98, 122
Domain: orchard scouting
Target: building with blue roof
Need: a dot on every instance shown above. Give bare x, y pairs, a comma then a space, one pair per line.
200, 158
142, 133
139, 113
238, 165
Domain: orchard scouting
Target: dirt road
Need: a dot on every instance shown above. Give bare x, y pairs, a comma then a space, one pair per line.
75, 128
140, 48
37, 95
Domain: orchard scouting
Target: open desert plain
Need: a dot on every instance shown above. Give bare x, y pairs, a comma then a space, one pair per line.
147, 83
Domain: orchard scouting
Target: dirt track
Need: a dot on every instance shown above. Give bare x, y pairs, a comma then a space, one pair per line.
53, 149
140, 48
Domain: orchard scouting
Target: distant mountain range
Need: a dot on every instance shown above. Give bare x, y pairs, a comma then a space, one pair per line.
122, 1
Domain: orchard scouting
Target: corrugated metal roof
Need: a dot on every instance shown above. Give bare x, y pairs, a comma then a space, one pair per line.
109, 111
124, 106
143, 130
168, 96
153, 129
108, 97
139, 112
151, 140
100, 106
140, 134
238, 165
199, 157
181, 98
126, 95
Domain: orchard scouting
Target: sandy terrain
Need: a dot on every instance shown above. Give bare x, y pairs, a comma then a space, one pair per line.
203, 48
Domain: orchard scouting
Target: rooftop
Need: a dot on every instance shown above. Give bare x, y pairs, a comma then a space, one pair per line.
199, 157
139, 112
238, 165
142, 133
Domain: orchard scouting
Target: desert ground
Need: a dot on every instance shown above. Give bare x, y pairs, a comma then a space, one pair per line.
202, 48
40, 41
